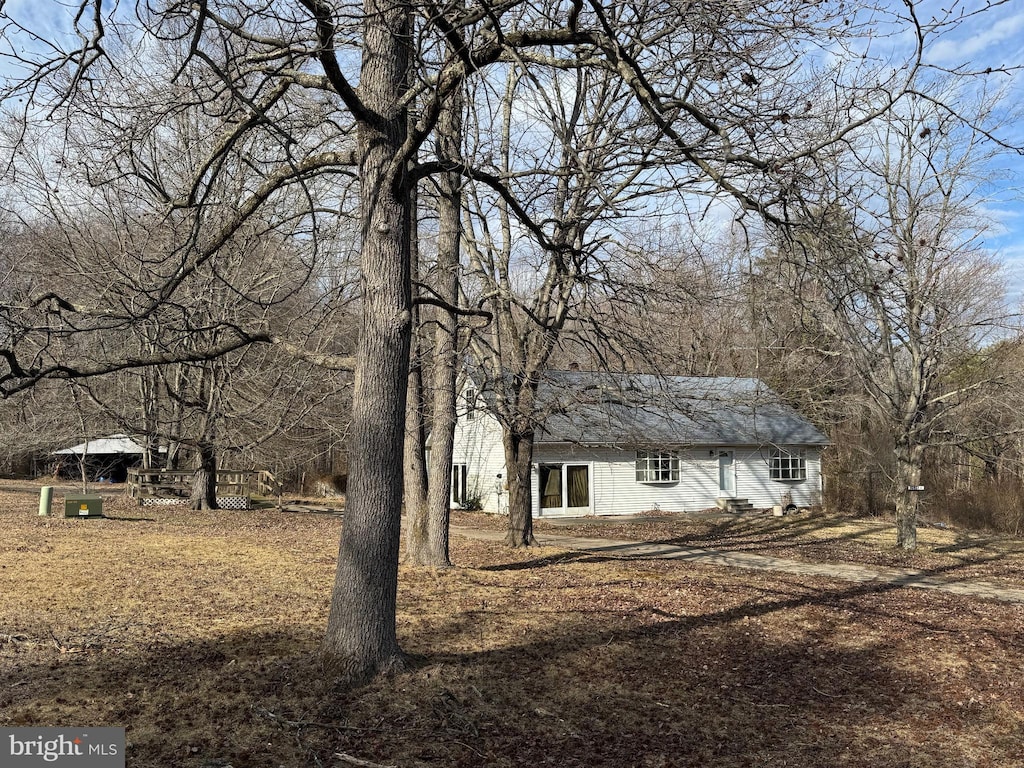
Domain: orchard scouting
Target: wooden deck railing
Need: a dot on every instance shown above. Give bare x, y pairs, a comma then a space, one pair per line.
177, 484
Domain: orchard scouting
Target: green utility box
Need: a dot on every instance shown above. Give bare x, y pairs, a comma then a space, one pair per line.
83, 505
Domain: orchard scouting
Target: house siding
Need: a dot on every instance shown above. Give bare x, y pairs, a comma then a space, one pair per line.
754, 483
478, 446
615, 490
613, 486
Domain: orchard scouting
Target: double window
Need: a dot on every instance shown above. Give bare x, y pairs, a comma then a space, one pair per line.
657, 467
788, 465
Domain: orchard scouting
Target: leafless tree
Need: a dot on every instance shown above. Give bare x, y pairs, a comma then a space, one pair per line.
438, 292
587, 151
104, 253
894, 272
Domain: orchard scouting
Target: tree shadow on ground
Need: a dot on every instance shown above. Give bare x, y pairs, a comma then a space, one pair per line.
782, 673
757, 534
725, 687
914, 576
802, 540
549, 560
772, 533
188, 703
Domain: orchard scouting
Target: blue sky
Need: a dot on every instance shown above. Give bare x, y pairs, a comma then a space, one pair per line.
992, 39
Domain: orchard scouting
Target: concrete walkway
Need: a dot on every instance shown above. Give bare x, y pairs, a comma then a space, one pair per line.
902, 577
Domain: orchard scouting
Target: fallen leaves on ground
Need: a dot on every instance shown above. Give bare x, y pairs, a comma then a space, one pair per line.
199, 633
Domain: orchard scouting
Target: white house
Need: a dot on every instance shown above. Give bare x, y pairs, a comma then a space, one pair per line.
617, 444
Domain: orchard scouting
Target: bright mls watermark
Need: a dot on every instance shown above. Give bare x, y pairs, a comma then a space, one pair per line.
71, 747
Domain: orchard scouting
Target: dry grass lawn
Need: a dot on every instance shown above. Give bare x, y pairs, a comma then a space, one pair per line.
199, 633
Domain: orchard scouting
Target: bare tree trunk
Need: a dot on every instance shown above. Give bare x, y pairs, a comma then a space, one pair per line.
172, 461
518, 463
82, 466
204, 483
361, 636
148, 390
909, 463
428, 514
433, 548
428, 540
427, 531
415, 475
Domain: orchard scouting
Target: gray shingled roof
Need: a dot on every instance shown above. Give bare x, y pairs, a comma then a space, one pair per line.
608, 409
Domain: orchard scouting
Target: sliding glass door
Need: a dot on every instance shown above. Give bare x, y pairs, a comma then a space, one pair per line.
564, 489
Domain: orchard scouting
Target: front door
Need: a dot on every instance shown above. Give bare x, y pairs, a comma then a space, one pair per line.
726, 474
564, 489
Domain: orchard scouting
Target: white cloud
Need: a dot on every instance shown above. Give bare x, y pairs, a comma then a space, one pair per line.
993, 44
48, 20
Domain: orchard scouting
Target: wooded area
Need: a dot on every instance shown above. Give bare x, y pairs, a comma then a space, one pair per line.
276, 235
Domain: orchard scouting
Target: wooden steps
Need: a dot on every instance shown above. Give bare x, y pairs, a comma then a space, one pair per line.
735, 506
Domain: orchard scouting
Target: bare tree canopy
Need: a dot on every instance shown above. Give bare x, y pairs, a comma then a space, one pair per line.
893, 272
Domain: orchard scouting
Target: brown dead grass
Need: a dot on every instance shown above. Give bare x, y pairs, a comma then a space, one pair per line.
199, 632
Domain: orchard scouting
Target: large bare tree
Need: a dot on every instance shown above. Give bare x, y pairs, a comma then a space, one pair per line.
894, 271
588, 155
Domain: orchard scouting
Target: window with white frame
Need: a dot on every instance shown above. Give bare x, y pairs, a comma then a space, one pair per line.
788, 465
657, 467
470, 398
